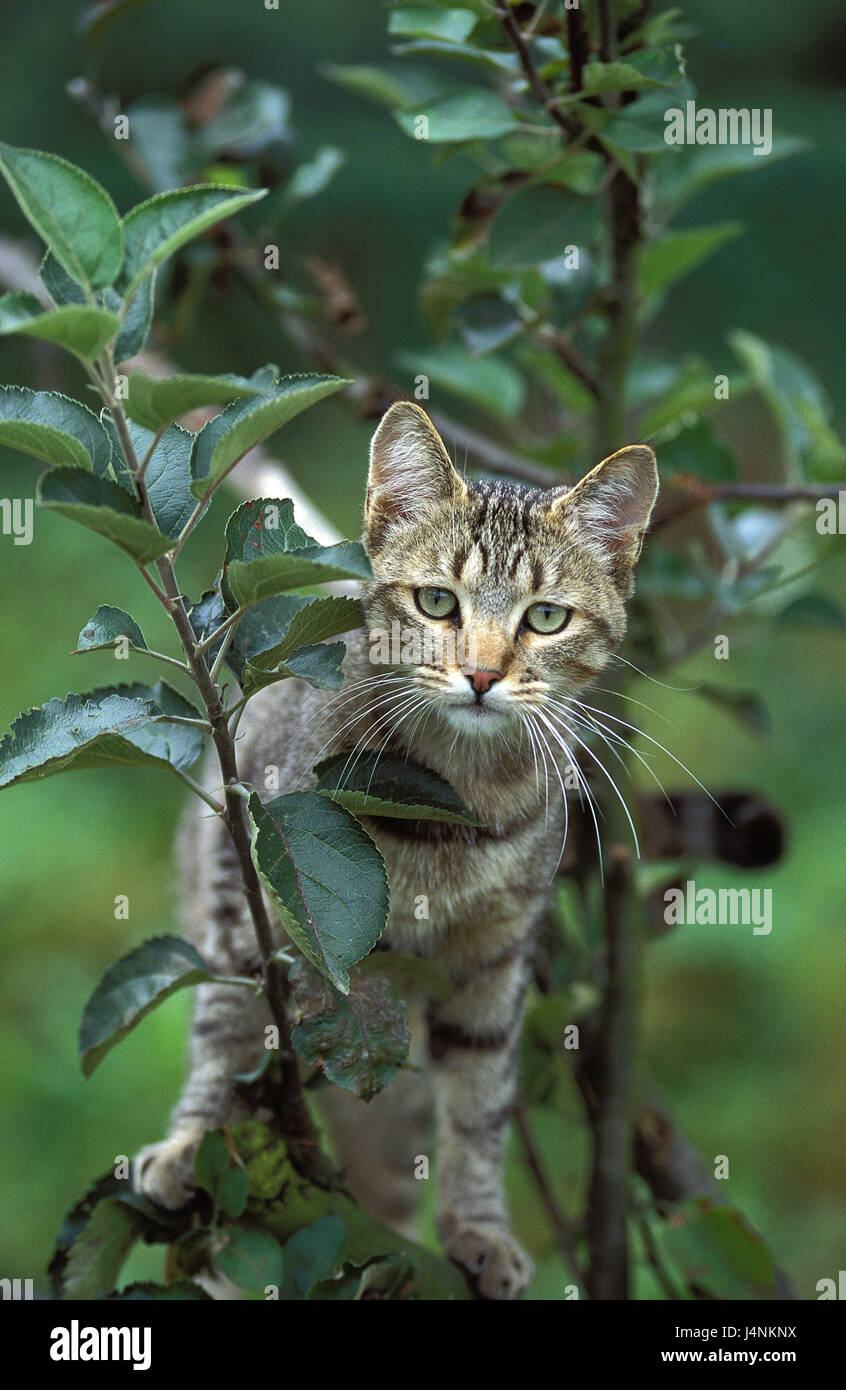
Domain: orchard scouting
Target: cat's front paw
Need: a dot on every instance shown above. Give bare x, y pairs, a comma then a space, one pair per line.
164, 1172
491, 1258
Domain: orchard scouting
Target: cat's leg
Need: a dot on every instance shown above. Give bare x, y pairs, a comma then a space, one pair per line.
227, 1034
379, 1142
473, 1043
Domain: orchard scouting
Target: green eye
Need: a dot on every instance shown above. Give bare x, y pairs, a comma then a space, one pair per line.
547, 617
435, 603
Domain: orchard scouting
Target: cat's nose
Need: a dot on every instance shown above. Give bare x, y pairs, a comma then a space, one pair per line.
482, 681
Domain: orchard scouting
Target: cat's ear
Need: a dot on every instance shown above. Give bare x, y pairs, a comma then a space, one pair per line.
410, 470
609, 509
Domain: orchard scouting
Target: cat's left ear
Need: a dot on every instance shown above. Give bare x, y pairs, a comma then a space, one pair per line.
610, 509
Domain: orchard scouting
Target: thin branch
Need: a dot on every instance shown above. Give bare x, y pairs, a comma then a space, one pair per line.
578, 47
606, 1077
540, 91
700, 494
559, 1221
571, 357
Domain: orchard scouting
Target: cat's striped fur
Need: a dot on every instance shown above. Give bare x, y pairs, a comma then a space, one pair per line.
498, 547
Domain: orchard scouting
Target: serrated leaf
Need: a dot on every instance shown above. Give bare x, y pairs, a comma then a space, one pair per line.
625, 76
104, 507
246, 423
157, 228
252, 1259
278, 638
477, 114
220, 1174
277, 573
108, 727
311, 1254
80, 328
134, 318
359, 1038
670, 257
54, 428
96, 1257
131, 988
105, 629
70, 211
325, 876
375, 784
155, 402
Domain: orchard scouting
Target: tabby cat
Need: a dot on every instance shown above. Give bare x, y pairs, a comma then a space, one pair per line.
535, 581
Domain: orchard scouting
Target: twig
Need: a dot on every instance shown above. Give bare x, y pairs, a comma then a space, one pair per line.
700, 494
578, 47
559, 1221
540, 91
606, 1074
571, 357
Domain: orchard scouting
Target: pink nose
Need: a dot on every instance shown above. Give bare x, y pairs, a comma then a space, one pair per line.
482, 681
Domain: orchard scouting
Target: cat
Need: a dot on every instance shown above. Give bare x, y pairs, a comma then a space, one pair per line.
535, 582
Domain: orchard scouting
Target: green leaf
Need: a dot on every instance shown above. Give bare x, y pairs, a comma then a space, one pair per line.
693, 168
168, 475
268, 635
746, 706
489, 383
220, 1174
537, 223
155, 402
311, 1254
312, 177
799, 405
276, 573
377, 784
718, 1252
432, 22
105, 629
251, 116
154, 230
97, 1255
263, 526
131, 989
53, 428
245, 423
360, 1038
813, 609
326, 877
108, 727
321, 666
670, 257
252, 1259
477, 114
81, 329
134, 318
70, 211
104, 507
96, 21
391, 84
628, 76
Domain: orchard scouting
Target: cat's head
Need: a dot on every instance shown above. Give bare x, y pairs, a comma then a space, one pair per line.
493, 598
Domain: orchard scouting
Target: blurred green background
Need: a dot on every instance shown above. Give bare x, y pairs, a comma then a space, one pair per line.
745, 1035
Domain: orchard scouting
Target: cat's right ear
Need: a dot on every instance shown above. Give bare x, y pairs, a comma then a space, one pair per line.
410, 470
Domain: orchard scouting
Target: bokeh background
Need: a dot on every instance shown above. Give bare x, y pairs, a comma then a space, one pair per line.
745, 1035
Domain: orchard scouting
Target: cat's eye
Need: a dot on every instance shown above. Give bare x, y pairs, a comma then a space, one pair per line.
547, 618
434, 602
